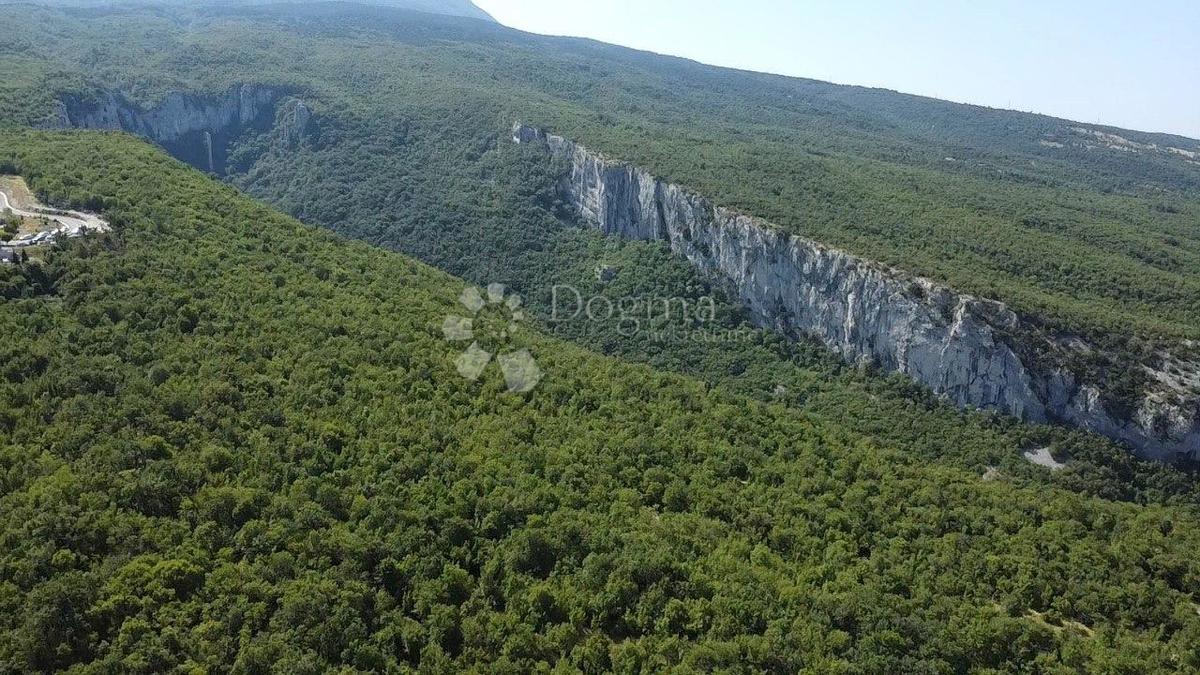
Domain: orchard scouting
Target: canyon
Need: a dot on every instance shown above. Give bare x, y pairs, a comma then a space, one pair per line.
972, 351
195, 128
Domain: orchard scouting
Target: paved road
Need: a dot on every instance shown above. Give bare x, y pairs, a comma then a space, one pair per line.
70, 224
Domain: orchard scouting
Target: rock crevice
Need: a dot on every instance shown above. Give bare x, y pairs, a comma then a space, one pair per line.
962, 347
197, 129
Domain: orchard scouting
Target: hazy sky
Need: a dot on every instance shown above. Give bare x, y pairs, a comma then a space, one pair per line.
1129, 64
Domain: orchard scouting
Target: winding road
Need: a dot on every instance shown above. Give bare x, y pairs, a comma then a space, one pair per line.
69, 223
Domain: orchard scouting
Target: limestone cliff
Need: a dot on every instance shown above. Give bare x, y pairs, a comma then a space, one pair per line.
965, 348
194, 128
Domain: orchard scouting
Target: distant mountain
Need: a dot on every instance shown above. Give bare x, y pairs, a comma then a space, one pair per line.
234, 428
232, 441
452, 7
464, 8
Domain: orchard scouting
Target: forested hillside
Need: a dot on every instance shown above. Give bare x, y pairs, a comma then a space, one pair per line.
404, 143
1090, 229
231, 441
464, 8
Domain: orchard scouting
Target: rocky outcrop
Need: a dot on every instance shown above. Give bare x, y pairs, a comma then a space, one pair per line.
177, 116
966, 349
293, 123
194, 128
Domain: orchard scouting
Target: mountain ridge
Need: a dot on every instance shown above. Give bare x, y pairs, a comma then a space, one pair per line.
1053, 228
1161, 136
228, 425
974, 351
459, 8
267, 422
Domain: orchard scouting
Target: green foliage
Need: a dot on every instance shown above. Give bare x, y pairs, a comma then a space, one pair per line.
424, 166
232, 441
408, 151
1087, 238
9, 225
457, 195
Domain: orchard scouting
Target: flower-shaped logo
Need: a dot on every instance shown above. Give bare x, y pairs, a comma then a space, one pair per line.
490, 328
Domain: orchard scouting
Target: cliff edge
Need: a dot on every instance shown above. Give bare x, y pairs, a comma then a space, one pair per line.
972, 351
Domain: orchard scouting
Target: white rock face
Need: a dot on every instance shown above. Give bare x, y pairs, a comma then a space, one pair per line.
177, 116
954, 343
293, 122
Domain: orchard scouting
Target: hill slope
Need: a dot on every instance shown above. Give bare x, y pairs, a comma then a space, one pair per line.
452, 7
463, 8
369, 111
233, 441
1037, 212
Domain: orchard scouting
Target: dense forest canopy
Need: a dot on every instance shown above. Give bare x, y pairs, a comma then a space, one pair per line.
1088, 232
233, 441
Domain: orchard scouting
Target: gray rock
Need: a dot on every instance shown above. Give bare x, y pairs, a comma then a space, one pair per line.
59, 119
177, 116
1042, 457
293, 122
954, 343
606, 273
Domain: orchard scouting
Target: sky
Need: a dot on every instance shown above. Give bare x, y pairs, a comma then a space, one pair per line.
1129, 64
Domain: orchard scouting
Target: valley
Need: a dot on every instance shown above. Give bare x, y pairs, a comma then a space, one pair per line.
972, 351
341, 481
847, 380
1082, 354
